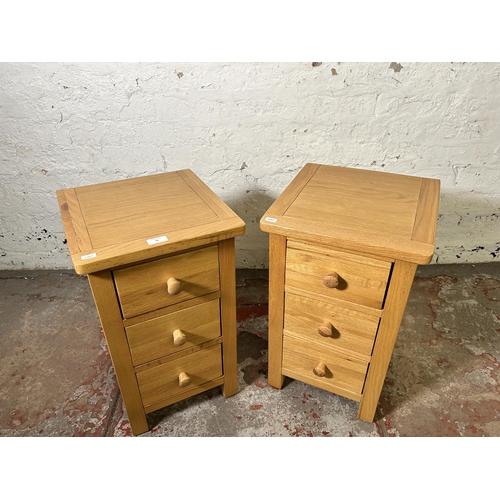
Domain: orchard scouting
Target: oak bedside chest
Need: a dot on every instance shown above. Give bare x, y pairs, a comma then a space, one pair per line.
159, 254
344, 247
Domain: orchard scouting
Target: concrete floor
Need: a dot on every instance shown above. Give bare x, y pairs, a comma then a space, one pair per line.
57, 377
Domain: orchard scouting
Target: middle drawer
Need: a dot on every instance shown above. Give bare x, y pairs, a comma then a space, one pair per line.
329, 324
167, 281
173, 332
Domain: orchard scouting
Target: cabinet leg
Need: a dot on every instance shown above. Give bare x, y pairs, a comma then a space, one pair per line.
228, 316
397, 296
277, 255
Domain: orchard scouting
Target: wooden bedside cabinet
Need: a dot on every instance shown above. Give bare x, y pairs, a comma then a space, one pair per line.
159, 254
344, 248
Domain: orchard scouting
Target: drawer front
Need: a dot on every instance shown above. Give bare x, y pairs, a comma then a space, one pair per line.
174, 332
144, 287
362, 280
330, 325
342, 374
162, 381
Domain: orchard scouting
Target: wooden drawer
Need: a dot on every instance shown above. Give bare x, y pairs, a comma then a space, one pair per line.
350, 329
362, 280
344, 374
162, 381
154, 339
143, 288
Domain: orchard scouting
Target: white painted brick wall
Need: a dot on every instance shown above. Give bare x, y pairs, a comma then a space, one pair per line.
246, 129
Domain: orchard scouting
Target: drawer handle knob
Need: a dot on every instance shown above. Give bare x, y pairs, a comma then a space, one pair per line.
184, 379
331, 280
326, 329
320, 370
173, 286
179, 337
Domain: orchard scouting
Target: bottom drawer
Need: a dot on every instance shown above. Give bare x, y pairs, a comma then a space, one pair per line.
343, 375
162, 381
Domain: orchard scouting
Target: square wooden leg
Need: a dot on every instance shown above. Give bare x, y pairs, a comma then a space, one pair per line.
277, 255
228, 315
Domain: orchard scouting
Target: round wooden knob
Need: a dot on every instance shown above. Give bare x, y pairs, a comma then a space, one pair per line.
331, 280
179, 337
173, 286
184, 379
320, 369
326, 329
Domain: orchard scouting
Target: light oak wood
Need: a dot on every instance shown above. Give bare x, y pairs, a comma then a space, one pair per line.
228, 315
353, 239
179, 337
372, 212
368, 200
346, 328
174, 286
186, 393
293, 189
152, 247
352, 306
184, 379
131, 252
143, 288
344, 239
326, 329
331, 280
301, 358
320, 369
171, 309
361, 279
299, 367
397, 297
425, 226
76, 233
115, 211
276, 300
162, 381
177, 355
318, 346
157, 337
116, 220
207, 195
102, 288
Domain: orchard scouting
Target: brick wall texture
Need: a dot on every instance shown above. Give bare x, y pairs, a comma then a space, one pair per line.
246, 129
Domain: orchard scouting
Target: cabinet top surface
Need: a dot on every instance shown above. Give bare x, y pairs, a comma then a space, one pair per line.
380, 213
145, 217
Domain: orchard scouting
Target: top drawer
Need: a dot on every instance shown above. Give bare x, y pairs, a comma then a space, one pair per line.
145, 287
362, 280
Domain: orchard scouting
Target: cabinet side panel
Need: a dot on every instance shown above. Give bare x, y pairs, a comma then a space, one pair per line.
103, 290
397, 296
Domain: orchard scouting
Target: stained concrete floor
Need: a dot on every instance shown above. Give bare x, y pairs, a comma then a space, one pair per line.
443, 380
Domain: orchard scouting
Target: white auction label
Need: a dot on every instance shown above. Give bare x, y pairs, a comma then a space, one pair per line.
89, 256
271, 219
154, 241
